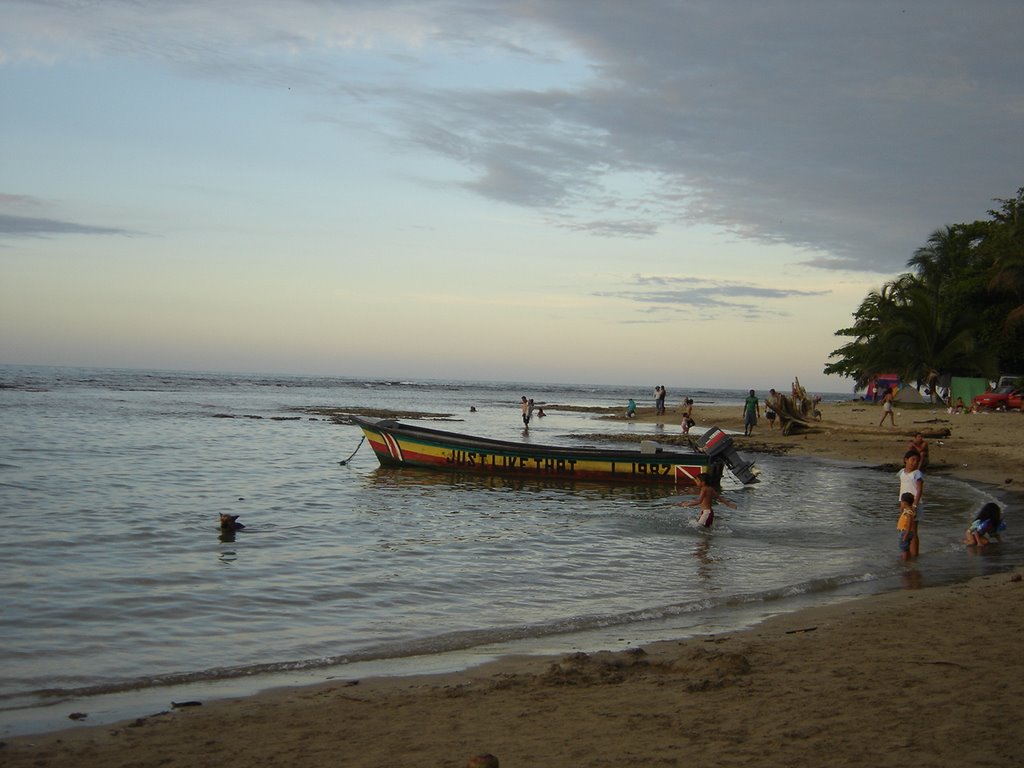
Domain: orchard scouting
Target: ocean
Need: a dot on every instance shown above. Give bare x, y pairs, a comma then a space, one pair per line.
121, 596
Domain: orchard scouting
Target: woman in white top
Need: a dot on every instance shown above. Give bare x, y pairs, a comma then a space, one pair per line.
912, 481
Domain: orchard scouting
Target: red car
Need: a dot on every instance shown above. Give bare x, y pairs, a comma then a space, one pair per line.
1004, 398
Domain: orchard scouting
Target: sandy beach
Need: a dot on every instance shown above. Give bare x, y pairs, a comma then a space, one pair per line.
986, 447
927, 675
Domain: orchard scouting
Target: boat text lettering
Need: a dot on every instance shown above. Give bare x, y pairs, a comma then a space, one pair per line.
478, 460
474, 459
643, 468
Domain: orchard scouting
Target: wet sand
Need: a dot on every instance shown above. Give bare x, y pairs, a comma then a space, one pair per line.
985, 448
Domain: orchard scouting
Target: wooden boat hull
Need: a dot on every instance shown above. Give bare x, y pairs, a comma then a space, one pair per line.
397, 444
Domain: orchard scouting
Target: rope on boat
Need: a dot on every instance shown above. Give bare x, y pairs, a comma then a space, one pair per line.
346, 461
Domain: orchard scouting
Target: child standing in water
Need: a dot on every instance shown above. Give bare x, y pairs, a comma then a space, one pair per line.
912, 481
906, 523
706, 494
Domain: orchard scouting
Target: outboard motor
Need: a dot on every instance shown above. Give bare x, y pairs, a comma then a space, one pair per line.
715, 443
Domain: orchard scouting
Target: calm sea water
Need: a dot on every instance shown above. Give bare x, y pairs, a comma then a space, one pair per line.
119, 594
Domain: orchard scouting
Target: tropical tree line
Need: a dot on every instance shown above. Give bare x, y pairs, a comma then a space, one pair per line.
959, 311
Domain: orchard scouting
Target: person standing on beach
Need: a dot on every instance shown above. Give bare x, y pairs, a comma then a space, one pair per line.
527, 411
686, 423
912, 481
751, 413
687, 420
660, 401
769, 407
706, 496
887, 399
688, 407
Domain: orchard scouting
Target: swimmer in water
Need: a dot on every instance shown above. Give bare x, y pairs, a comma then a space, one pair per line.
705, 496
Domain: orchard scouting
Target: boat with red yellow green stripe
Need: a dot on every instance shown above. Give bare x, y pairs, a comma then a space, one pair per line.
406, 445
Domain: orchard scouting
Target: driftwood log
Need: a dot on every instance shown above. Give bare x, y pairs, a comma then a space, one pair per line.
790, 412
797, 411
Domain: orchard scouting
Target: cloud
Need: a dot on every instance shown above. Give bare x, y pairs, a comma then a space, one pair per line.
609, 227
708, 299
849, 130
31, 226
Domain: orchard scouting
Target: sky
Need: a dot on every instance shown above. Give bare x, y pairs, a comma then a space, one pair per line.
689, 193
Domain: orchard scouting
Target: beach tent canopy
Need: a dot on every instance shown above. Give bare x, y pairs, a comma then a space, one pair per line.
909, 394
878, 384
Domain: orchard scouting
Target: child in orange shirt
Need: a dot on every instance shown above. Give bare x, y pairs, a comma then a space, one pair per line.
905, 525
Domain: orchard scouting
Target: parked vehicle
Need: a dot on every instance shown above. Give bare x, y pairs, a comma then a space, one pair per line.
1005, 398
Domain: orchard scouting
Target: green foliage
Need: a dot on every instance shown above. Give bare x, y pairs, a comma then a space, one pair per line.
960, 311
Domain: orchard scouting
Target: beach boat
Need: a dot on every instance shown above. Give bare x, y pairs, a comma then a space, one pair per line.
407, 445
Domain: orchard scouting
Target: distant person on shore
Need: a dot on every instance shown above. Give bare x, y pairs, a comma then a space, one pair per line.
769, 407
687, 420
912, 481
905, 525
887, 399
688, 406
660, 393
631, 408
527, 411
751, 413
988, 522
706, 495
920, 445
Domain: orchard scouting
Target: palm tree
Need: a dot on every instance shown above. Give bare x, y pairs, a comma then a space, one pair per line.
960, 311
1006, 275
940, 257
864, 357
924, 340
